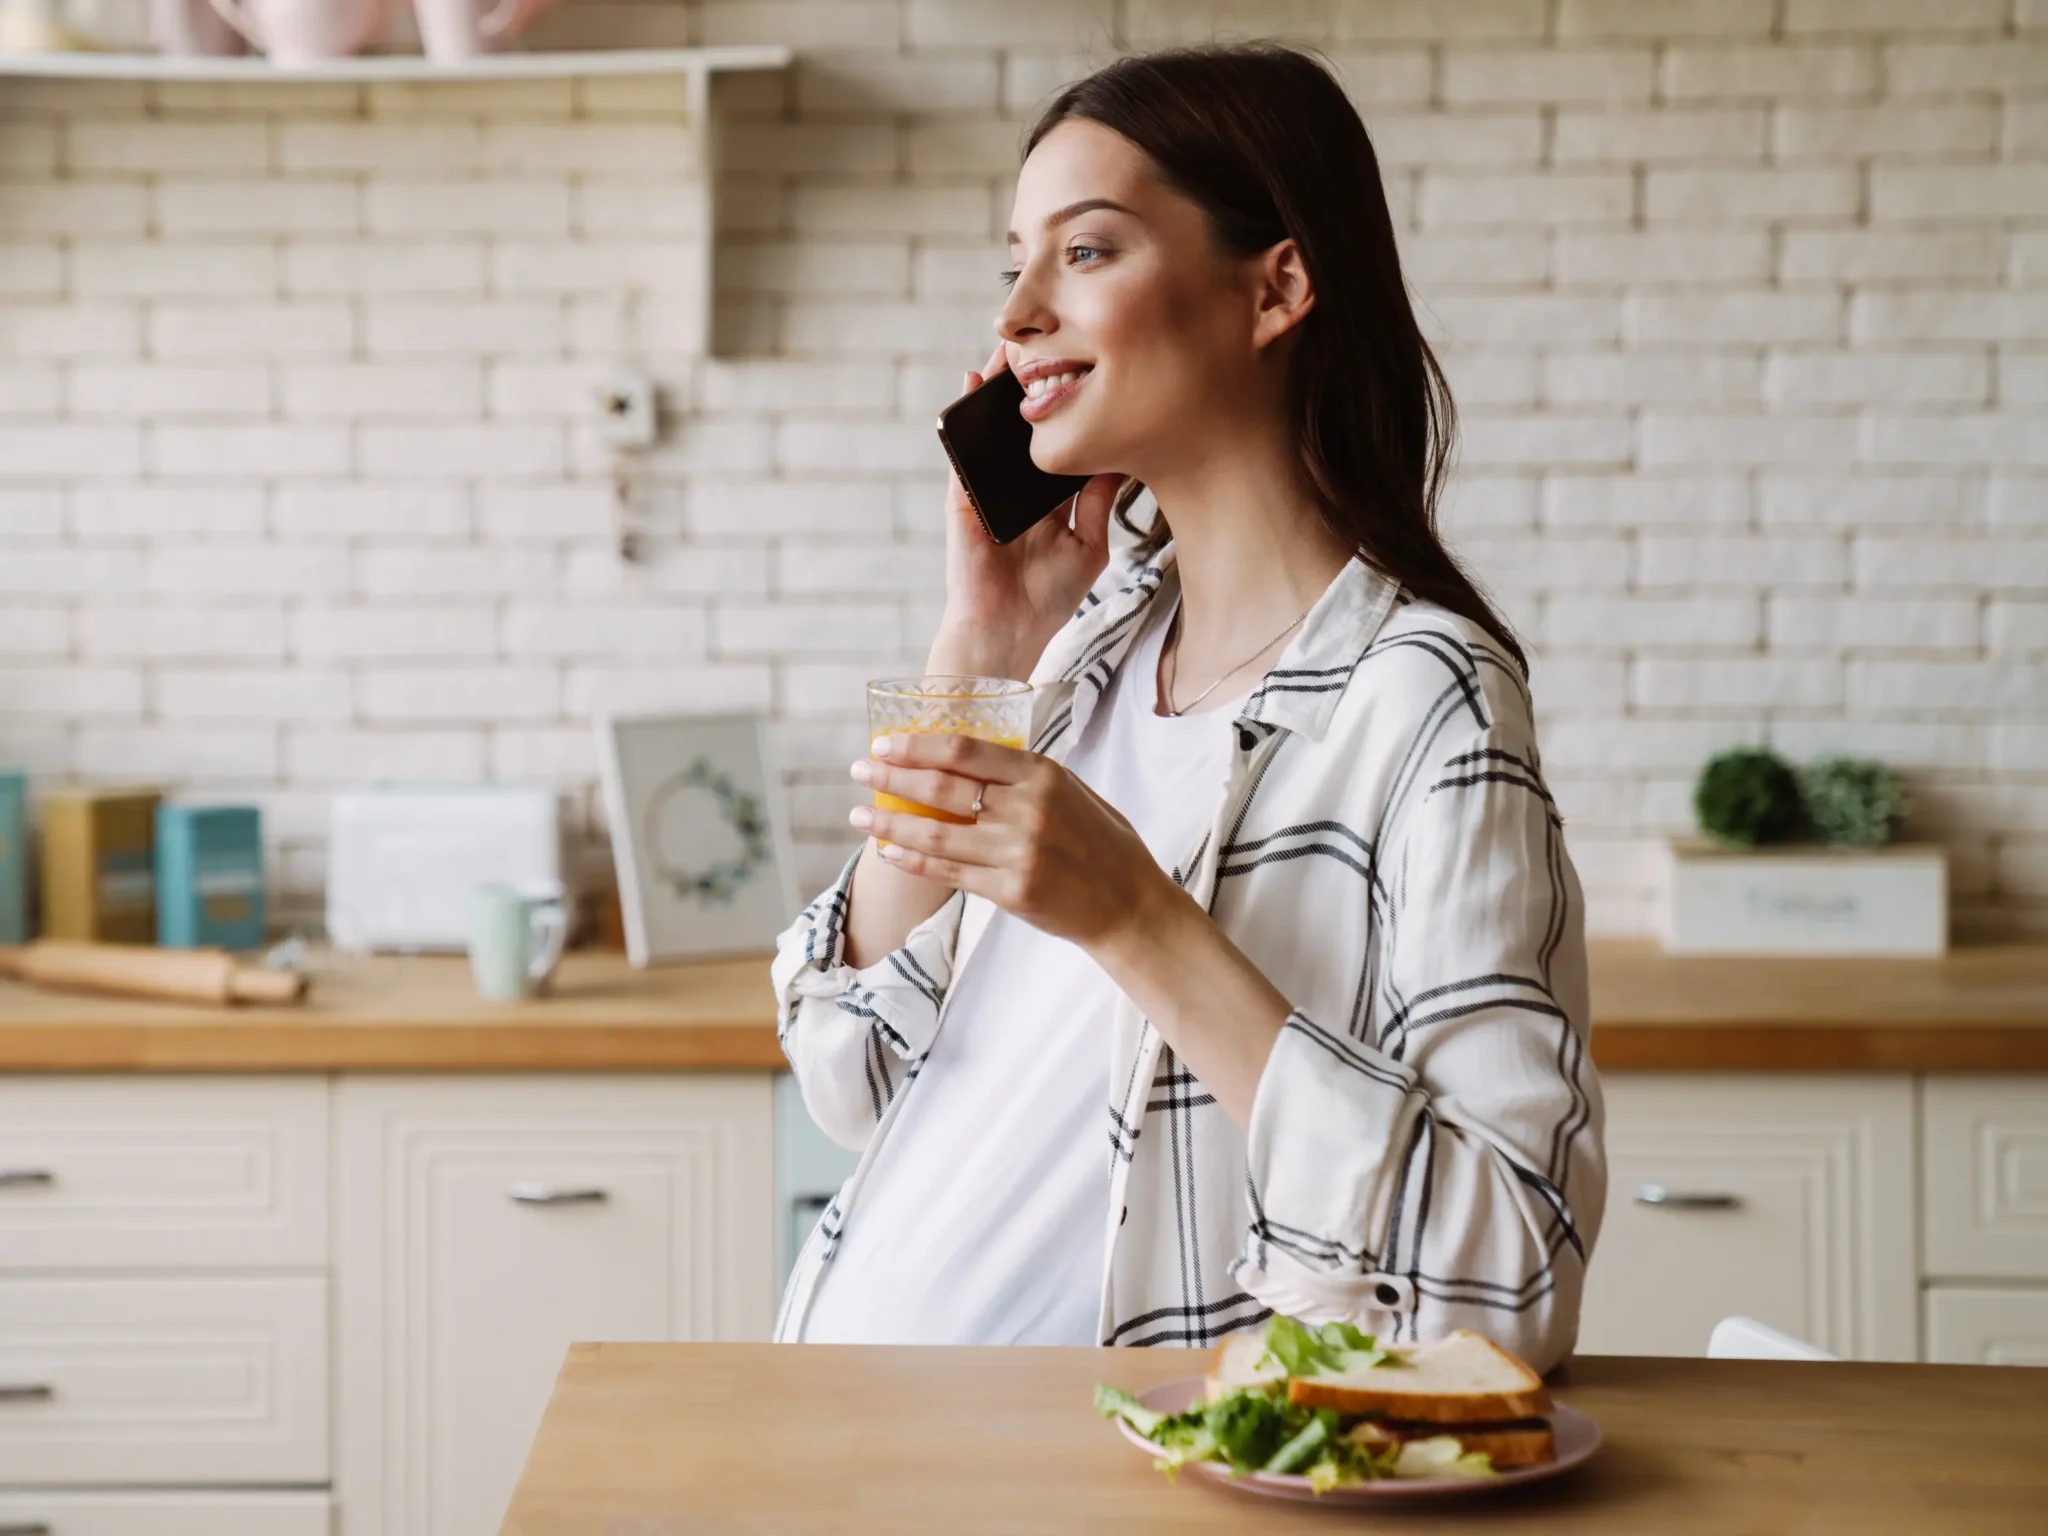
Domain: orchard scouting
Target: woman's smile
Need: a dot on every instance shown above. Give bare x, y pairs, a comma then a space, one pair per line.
1048, 384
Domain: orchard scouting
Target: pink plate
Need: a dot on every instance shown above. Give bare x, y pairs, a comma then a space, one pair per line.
1578, 1437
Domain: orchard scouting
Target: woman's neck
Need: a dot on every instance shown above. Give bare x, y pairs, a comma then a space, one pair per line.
1251, 547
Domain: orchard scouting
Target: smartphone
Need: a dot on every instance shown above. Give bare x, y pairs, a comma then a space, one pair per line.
990, 446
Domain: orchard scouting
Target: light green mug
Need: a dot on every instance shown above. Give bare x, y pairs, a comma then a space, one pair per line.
516, 934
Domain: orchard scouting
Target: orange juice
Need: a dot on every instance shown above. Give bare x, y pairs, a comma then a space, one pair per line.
996, 709
914, 808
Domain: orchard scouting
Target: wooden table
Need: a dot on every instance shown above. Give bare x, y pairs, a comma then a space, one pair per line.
669, 1439
672, 1438
1978, 1010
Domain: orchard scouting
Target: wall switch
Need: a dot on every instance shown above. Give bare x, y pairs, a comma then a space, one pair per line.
626, 409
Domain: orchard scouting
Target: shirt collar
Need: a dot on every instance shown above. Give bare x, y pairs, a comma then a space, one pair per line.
1299, 694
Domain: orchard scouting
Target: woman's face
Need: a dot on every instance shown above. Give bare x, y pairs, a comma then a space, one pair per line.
1129, 329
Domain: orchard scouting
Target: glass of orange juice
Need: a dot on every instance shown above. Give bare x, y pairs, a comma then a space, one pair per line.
996, 709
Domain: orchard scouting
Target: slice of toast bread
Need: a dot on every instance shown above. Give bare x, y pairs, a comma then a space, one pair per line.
1507, 1448
1462, 1378
1235, 1363
1506, 1445
1513, 1447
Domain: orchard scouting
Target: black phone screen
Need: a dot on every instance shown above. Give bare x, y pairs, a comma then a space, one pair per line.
990, 446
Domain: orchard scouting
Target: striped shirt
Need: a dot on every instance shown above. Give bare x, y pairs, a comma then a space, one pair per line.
1425, 1143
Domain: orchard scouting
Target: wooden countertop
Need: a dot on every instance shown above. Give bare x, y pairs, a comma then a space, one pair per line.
1979, 1010
784, 1438
394, 1013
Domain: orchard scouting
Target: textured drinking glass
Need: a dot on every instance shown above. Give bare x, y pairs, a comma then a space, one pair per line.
996, 709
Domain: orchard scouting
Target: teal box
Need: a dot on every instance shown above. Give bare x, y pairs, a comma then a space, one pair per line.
209, 876
13, 857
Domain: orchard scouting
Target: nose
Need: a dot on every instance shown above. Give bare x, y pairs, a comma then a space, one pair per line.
1027, 312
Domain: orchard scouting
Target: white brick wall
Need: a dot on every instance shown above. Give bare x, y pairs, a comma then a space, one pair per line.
1746, 302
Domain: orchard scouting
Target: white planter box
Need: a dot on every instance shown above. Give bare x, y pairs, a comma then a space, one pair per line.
1805, 900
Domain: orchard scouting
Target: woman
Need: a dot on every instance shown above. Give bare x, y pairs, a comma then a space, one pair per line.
1279, 879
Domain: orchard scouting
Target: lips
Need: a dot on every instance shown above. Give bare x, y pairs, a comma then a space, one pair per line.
1049, 384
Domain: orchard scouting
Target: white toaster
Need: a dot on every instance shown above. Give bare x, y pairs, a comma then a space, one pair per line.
402, 860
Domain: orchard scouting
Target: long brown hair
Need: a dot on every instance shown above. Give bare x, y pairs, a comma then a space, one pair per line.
1263, 139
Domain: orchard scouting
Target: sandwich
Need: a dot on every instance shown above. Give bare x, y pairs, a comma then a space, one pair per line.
1334, 1405
1463, 1385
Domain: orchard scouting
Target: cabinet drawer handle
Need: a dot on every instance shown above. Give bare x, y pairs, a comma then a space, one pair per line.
26, 1391
1678, 1200
25, 1528
555, 1194
25, 1178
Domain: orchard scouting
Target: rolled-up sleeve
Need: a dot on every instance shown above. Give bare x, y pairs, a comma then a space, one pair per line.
854, 1037
1447, 1173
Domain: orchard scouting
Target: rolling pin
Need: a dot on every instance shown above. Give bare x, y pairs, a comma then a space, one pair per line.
142, 970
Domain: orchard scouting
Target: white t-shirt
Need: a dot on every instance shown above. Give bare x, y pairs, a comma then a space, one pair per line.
984, 1216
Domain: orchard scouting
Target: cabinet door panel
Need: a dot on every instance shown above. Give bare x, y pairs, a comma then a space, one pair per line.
1973, 1325
159, 1513
1788, 1199
507, 1285
487, 1223
1987, 1177
162, 1173
163, 1381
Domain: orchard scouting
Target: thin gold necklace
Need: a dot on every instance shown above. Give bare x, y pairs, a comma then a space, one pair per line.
1173, 662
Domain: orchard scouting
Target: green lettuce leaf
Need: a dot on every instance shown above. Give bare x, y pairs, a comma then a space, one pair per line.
1331, 1473
1344, 1336
1182, 1430
1250, 1427
1311, 1443
1291, 1347
1115, 1403
1195, 1444
1330, 1350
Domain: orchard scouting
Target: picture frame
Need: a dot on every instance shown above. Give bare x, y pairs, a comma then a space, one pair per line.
699, 836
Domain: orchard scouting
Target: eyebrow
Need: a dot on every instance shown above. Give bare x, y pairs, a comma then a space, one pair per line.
1074, 210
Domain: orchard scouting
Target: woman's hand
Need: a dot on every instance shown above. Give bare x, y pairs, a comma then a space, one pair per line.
1004, 602
1050, 850
1045, 847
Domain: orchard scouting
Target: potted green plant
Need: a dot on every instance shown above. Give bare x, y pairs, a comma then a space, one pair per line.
1802, 861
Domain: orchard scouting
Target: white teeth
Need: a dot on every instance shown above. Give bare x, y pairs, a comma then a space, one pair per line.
1045, 382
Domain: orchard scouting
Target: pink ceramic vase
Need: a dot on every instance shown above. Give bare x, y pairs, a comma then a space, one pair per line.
191, 29
452, 31
297, 34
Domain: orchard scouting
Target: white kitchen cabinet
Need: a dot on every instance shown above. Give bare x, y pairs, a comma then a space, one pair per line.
162, 1513
163, 1173
1786, 1198
1986, 1185
1980, 1325
485, 1223
188, 1380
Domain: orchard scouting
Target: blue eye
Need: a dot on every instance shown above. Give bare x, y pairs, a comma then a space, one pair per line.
1080, 253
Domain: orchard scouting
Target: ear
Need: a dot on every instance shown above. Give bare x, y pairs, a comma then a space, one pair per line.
1284, 293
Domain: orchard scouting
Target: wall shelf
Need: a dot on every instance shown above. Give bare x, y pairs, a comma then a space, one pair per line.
697, 66
371, 69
